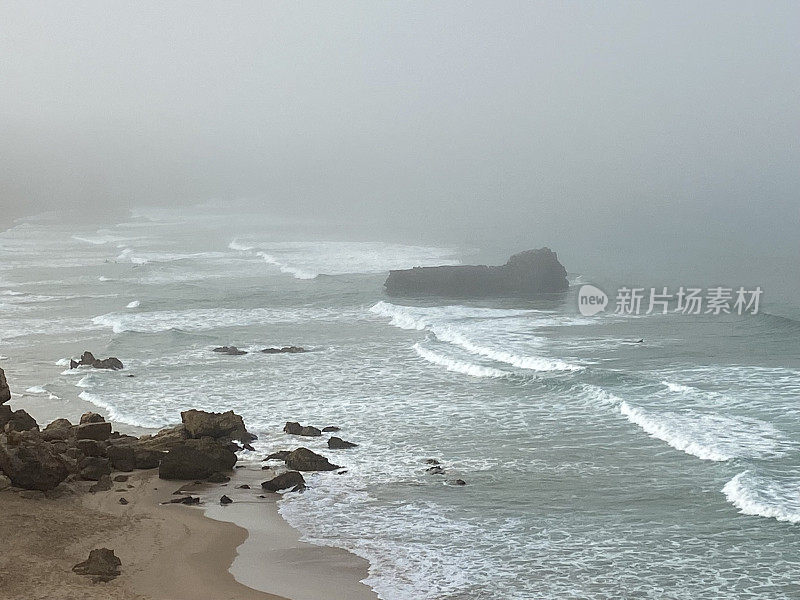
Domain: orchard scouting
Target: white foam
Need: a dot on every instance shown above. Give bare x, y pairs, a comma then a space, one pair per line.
114, 414
709, 436
758, 496
286, 268
210, 318
98, 240
63, 362
457, 366
2, 357
133, 304
441, 321
677, 387
235, 245
36, 389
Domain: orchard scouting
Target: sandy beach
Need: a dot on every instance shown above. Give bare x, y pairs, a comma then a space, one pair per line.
168, 551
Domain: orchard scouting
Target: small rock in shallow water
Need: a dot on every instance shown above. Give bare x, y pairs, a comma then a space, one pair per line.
185, 500
218, 478
459, 482
121, 478
243, 487
337, 443
435, 470
290, 479
294, 428
229, 350
284, 350
225, 500
123, 501
331, 428
279, 455
432, 461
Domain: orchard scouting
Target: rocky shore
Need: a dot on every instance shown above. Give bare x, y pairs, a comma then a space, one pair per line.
111, 482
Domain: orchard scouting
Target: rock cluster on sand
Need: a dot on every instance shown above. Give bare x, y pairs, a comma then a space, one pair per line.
526, 273
202, 447
88, 360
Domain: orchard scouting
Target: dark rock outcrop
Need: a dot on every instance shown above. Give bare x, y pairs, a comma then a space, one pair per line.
31, 463
122, 457
229, 350
88, 360
527, 273
196, 459
284, 350
5, 391
102, 565
93, 468
229, 425
290, 479
91, 417
279, 455
21, 421
295, 428
146, 459
93, 431
304, 459
337, 443
331, 428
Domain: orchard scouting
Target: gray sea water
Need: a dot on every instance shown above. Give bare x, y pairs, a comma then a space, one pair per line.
596, 467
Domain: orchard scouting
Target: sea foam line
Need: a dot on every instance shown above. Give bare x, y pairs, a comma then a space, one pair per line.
457, 366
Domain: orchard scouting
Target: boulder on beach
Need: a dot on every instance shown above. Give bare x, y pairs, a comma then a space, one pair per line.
289, 479
229, 350
122, 457
93, 431
229, 425
284, 350
91, 417
93, 468
279, 455
337, 443
102, 565
20, 420
196, 459
58, 424
294, 428
527, 273
88, 360
5, 391
31, 463
304, 459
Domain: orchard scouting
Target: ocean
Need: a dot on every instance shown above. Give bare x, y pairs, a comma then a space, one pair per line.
595, 466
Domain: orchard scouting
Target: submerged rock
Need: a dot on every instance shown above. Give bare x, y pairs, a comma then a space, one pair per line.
331, 428
527, 273
229, 350
88, 360
337, 443
304, 459
102, 565
290, 479
284, 350
294, 428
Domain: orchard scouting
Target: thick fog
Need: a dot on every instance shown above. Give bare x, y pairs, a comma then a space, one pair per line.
666, 133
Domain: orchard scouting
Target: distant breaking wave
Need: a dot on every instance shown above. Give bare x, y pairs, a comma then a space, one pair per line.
709, 436
409, 318
285, 268
457, 366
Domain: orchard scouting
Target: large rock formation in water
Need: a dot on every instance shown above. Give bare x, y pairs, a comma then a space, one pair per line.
527, 273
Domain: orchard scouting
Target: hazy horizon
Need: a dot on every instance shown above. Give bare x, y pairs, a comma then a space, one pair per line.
661, 134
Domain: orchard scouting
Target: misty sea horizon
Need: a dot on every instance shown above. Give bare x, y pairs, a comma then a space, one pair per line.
595, 466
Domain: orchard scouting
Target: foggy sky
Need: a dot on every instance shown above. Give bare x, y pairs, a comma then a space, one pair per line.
591, 127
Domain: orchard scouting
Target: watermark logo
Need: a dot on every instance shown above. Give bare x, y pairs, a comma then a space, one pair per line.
687, 301
591, 300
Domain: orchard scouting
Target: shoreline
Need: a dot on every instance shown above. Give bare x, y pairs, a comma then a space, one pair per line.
241, 551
